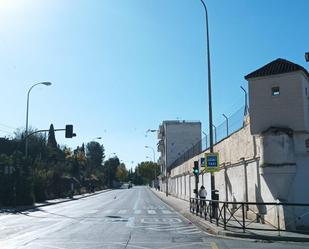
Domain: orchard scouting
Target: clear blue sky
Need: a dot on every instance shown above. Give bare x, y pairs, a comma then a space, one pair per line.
120, 67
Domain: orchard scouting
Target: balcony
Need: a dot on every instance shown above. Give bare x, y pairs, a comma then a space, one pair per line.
161, 145
161, 132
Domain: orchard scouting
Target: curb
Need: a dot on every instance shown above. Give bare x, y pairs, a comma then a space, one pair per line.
211, 229
21, 209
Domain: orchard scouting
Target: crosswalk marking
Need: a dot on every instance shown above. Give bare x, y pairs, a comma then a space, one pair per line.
177, 229
134, 211
166, 211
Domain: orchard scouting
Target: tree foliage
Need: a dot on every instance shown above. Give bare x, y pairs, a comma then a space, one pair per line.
95, 154
121, 173
146, 172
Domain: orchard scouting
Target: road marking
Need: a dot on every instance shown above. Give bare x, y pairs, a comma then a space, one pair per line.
178, 229
138, 211
161, 220
166, 211
151, 211
137, 200
123, 211
108, 211
213, 245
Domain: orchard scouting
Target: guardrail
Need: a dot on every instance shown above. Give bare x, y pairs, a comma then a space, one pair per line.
266, 216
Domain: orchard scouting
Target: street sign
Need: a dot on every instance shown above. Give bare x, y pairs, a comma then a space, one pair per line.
212, 162
203, 162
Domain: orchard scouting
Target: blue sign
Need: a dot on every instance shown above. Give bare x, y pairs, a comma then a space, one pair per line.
212, 162
203, 162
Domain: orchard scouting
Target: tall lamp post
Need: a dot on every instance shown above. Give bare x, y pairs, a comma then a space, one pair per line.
154, 154
211, 150
27, 113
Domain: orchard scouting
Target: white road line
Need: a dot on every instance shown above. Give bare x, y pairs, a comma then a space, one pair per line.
108, 211
151, 212
165, 211
137, 211
123, 211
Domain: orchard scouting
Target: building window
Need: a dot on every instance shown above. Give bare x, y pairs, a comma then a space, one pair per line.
275, 91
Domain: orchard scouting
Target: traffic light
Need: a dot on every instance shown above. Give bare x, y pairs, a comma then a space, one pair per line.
195, 168
69, 131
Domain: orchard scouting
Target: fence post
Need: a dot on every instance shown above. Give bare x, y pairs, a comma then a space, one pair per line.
224, 216
243, 217
217, 213
210, 213
278, 219
205, 209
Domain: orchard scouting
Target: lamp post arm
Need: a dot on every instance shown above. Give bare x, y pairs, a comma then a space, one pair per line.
27, 112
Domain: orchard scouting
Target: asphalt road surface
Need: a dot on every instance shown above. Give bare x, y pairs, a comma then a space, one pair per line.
128, 218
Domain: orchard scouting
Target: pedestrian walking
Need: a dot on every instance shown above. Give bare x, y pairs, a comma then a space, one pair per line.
202, 193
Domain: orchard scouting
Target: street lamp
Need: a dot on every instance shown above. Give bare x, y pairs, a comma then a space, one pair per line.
96, 138
154, 155
150, 130
211, 150
27, 113
227, 124
246, 100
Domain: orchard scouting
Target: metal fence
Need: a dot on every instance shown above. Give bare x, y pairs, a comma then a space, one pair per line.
220, 132
270, 216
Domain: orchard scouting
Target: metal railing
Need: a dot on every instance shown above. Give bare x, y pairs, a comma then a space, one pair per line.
226, 128
266, 216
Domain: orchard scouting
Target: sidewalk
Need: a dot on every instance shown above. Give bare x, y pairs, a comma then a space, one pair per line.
4, 210
183, 207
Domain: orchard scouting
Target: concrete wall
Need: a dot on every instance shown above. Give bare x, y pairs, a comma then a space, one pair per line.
244, 175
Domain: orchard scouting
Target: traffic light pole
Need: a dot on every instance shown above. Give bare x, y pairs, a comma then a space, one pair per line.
41, 131
196, 186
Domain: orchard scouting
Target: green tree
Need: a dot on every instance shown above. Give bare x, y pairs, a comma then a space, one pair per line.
148, 171
121, 173
110, 169
95, 154
51, 142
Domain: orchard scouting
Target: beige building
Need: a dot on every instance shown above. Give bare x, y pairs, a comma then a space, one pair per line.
278, 97
175, 137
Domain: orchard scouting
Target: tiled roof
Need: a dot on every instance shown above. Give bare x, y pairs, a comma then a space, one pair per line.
278, 66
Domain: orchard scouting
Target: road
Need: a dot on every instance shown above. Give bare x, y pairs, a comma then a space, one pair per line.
128, 218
